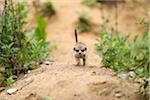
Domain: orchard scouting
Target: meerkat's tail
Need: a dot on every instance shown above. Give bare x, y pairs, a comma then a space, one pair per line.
76, 36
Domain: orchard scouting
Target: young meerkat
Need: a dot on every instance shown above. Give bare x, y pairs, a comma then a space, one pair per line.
80, 51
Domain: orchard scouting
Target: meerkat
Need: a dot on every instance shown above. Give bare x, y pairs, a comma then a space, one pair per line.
80, 50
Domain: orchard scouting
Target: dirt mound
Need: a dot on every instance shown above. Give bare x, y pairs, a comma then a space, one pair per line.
68, 82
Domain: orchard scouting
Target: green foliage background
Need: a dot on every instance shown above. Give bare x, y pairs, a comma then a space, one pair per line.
19, 52
124, 55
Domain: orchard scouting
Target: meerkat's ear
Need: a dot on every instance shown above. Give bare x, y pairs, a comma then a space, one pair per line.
85, 48
74, 49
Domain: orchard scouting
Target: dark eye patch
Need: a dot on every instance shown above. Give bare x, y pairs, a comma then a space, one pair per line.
82, 50
77, 50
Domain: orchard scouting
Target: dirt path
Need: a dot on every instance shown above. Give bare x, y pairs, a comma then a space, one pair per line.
63, 80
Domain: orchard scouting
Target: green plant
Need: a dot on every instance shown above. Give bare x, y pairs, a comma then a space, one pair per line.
45, 9
39, 46
48, 8
114, 51
40, 32
12, 36
10, 81
83, 23
91, 3
123, 55
19, 52
140, 54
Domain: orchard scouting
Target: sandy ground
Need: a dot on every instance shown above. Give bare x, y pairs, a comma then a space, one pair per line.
62, 80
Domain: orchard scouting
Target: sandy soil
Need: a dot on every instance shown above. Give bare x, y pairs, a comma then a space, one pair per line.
62, 80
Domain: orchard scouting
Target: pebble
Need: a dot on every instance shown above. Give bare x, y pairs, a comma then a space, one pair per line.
118, 94
48, 62
25, 76
132, 74
123, 76
29, 79
29, 71
11, 91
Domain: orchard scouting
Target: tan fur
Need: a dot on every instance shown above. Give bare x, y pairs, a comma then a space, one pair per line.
80, 51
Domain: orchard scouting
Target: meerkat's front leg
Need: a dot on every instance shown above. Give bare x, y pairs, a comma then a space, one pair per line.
84, 61
78, 61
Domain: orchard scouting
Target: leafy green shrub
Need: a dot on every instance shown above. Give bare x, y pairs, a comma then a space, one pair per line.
83, 24
122, 55
140, 53
45, 9
19, 52
114, 51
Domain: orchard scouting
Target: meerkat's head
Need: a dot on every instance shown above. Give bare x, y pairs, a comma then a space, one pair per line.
80, 49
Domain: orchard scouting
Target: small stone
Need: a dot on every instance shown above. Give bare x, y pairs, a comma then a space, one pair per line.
25, 76
123, 76
118, 94
29, 71
132, 74
29, 79
48, 62
11, 91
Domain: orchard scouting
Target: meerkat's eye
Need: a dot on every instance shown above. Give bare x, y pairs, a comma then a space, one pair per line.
82, 50
77, 50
